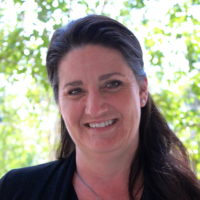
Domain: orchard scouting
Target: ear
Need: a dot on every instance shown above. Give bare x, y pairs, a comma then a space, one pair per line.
143, 91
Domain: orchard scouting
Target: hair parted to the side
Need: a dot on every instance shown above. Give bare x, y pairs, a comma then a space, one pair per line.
160, 157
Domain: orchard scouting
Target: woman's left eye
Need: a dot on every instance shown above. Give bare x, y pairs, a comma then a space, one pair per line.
113, 84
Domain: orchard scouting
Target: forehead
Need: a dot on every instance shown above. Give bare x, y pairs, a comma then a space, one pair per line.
94, 57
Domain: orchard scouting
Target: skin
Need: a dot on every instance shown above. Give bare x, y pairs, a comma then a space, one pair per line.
96, 85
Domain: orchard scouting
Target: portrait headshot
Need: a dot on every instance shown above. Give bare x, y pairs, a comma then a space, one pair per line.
115, 143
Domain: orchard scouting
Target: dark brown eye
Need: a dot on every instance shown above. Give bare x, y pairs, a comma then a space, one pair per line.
75, 91
113, 84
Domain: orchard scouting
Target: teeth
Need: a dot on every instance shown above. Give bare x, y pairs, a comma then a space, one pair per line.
102, 124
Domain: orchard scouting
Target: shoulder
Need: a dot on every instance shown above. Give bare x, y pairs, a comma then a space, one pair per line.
33, 179
31, 173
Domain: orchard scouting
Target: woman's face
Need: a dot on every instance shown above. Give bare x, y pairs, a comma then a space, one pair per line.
100, 100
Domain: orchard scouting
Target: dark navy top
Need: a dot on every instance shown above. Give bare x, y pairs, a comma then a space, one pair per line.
50, 181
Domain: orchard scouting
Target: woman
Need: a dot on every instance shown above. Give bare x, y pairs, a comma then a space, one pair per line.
115, 144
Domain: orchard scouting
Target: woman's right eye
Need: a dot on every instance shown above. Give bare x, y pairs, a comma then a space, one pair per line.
75, 91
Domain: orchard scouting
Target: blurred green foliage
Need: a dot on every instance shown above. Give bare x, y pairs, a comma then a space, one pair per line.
27, 109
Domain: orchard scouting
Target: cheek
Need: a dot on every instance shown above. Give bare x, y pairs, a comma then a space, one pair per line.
70, 111
127, 101
129, 105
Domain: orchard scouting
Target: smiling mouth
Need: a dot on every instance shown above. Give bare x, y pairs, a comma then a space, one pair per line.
102, 124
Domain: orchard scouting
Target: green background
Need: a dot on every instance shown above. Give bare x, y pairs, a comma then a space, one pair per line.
169, 32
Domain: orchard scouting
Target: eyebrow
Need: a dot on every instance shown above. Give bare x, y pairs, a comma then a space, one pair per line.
101, 78
106, 76
74, 83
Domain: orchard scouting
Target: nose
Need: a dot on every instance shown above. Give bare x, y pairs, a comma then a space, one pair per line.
95, 104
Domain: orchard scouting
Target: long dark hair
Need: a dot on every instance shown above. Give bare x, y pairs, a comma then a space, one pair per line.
161, 158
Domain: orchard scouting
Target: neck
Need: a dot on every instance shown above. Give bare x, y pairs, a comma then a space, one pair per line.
103, 165
107, 174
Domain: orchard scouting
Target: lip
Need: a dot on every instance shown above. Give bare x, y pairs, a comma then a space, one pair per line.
100, 122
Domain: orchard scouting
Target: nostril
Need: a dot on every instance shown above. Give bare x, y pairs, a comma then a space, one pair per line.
94, 103
95, 109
